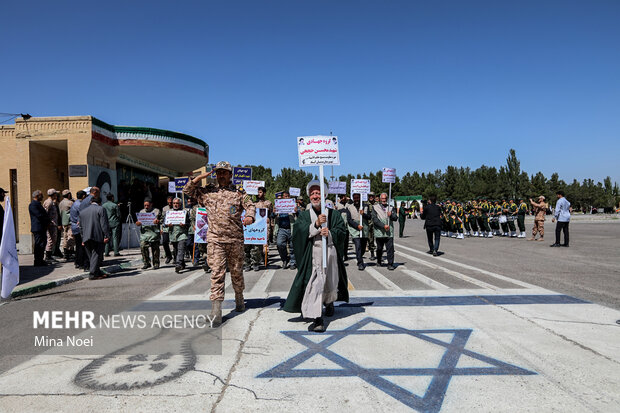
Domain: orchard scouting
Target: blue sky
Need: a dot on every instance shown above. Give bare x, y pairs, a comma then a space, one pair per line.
407, 84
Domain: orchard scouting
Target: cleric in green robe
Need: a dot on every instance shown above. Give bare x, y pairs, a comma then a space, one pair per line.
314, 286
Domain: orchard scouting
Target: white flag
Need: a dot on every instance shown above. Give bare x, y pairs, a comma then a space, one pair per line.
8, 253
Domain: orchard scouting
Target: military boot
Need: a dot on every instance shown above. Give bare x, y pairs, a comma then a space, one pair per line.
239, 303
216, 313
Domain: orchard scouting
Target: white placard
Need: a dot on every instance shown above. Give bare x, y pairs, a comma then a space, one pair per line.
146, 218
337, 187
175, 217
256, 233
360, 186
294, 191
318, 150
285, 206
389, 175
251, 187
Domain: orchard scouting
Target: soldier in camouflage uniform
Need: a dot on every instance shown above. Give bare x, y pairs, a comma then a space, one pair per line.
149, 236
254, 254
224, 204
371, 227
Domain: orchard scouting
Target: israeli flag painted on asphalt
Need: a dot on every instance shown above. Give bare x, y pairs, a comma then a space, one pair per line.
8, 253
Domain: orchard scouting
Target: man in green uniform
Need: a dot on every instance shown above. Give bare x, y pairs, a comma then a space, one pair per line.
149, 236
111, 209
178, 237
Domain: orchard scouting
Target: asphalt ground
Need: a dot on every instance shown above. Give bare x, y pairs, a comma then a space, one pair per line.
540, 315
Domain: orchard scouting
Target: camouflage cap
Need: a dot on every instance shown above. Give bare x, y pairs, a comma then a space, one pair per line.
223, 165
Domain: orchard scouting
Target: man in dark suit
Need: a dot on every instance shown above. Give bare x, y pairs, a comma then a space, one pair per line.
431, 213
39, 222
95, 234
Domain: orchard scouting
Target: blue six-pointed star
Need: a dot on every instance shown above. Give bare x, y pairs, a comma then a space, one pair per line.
432, 399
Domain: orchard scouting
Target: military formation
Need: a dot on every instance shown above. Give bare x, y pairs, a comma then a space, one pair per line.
484, 218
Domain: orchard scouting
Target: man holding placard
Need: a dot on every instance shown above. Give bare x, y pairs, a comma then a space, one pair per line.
285, 216
148, 222
383, 219
224, 205
357, 220
316, 285
178, 224
254, 254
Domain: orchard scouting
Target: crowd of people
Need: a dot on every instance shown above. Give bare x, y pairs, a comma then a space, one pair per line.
85, 230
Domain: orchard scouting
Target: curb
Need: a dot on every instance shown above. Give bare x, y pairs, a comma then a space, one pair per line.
112, 269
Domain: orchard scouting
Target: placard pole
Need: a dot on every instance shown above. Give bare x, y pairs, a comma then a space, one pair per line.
324, 239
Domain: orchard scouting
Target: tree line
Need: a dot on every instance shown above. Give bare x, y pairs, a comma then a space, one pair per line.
462, 184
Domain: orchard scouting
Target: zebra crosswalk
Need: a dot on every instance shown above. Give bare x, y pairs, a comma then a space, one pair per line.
416, 273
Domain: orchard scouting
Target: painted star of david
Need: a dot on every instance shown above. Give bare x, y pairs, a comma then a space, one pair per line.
433, 398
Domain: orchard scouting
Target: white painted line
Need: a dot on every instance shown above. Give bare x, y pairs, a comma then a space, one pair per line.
458, 275
263, 282
179, 284
381, 279
424, 279
480, 270
186, 297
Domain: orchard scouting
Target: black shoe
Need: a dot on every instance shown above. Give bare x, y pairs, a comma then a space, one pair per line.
168, 260
555, 245
435, 253
317, 325
360, 267
146, 266
292, 267
178, 269
329, 310
390, 267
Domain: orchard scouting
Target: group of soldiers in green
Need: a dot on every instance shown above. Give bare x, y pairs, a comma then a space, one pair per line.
484, 218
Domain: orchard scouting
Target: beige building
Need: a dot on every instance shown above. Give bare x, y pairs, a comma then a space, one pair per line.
76, 152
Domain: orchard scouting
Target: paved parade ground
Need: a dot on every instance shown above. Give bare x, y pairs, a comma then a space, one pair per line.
491, 325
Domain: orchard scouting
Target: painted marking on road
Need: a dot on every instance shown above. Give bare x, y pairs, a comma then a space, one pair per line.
382, 279
431, 400
456, 274
179, 284
480, 270
263, 282
424, 279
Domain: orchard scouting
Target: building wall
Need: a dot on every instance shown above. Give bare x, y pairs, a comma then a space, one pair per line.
41, 167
